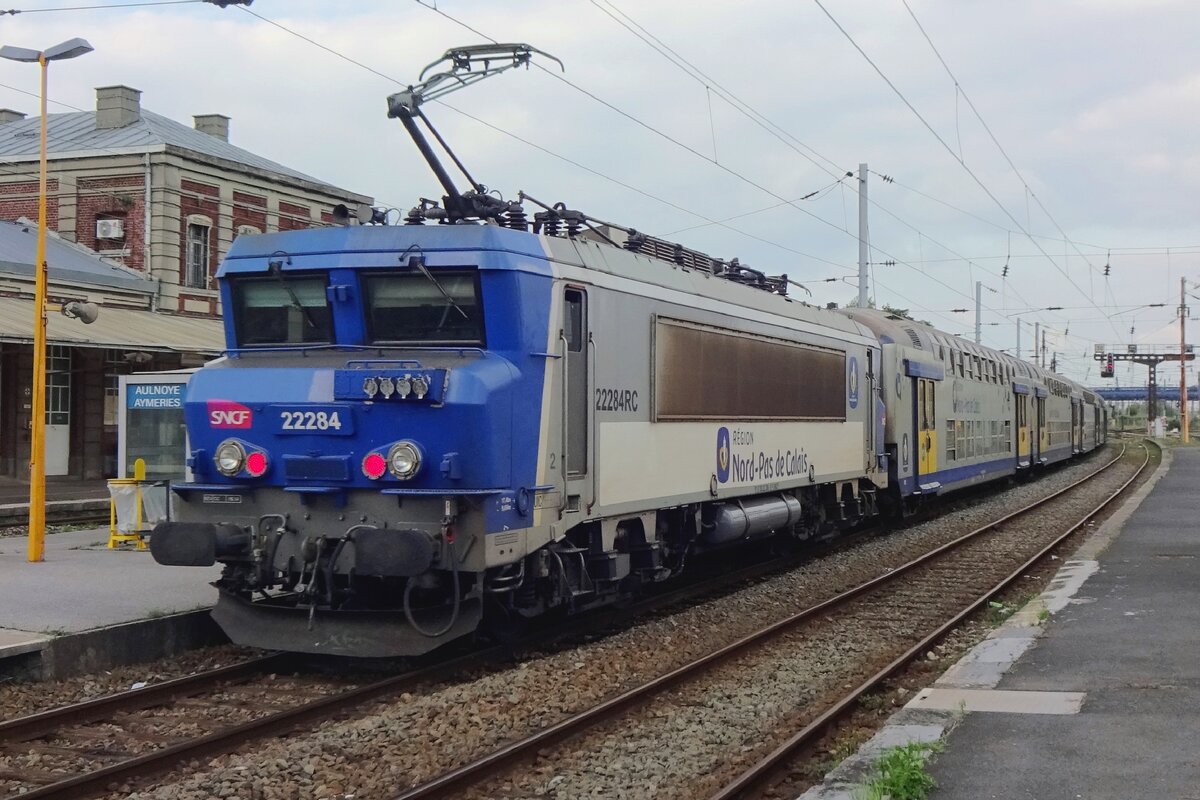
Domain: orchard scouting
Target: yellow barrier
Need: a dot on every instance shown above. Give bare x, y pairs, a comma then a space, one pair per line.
116, 537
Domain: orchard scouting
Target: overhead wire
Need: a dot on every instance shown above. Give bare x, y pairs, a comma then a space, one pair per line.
693, 151
979, 182
142, 4
991, 135
536, 146
697, 74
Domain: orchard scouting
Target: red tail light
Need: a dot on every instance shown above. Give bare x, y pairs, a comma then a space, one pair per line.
256, 464
374, 466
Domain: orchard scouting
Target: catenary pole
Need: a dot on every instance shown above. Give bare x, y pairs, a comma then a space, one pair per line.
978, 308
862, 236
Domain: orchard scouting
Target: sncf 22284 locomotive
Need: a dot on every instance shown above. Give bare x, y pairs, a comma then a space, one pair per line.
422, 430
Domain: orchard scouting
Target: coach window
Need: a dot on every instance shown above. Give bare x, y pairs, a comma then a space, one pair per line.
288, 309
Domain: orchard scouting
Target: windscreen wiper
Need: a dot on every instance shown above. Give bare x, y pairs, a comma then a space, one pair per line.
276, 269
419, 263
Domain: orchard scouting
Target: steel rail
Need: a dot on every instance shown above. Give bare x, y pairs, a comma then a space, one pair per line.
227, 739
35, 725
769, 765
454, 781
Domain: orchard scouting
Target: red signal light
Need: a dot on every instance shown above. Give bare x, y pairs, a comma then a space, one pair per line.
374, 466
256, 464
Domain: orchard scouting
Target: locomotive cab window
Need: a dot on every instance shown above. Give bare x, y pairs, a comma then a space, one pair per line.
287, 309
424, 307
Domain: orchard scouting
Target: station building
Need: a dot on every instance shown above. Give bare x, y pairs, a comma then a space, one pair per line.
140, 210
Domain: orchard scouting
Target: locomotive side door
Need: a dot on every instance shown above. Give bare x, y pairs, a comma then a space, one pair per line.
576, 379
926, 427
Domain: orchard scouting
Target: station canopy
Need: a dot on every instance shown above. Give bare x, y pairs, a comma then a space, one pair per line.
115, 328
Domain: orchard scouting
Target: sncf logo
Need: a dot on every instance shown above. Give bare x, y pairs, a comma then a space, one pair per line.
228, 414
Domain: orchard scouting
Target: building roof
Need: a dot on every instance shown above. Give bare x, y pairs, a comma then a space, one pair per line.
115, 328
76, 133
66, 262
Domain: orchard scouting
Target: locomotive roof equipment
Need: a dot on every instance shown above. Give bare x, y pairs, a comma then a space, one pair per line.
406, 106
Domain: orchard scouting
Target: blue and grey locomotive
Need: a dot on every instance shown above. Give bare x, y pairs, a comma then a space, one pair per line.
420, 430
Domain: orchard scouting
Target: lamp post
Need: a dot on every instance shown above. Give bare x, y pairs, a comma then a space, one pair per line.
37, 446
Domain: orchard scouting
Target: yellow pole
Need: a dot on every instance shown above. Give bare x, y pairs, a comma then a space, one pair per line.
37, 450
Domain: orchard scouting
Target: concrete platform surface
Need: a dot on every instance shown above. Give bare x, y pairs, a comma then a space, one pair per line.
82, 585
1129, 640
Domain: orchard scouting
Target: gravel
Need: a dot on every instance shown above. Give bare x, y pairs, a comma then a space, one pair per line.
21, 698
393, 745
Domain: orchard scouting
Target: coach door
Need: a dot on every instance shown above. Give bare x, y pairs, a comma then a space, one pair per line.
1023, 430
576, 408
1043, 436
926, 427
1077, 426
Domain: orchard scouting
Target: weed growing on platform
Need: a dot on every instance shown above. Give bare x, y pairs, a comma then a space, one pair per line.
998, 612
900, 773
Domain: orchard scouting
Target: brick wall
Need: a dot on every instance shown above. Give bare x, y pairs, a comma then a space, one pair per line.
120, 198
294, 217
249, 209
21, 200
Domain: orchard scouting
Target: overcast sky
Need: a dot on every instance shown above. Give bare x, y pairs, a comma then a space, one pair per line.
1096, 102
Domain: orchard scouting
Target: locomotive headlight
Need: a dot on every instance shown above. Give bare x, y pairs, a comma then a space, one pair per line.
230, 458
403, 387
404, 459
420, 386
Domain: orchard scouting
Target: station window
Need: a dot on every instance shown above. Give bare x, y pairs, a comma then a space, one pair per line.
196, 276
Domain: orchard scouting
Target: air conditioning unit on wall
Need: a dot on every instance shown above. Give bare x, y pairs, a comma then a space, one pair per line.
110, 229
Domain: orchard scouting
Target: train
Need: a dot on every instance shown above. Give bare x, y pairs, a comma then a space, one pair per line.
422, 432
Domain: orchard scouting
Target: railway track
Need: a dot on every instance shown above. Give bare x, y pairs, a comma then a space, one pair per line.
81, 749
84, 749
20, 519
941, 589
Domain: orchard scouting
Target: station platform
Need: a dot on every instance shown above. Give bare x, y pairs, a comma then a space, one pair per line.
86, 606
1091, 691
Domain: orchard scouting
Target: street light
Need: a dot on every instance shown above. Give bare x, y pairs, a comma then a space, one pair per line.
37, 449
